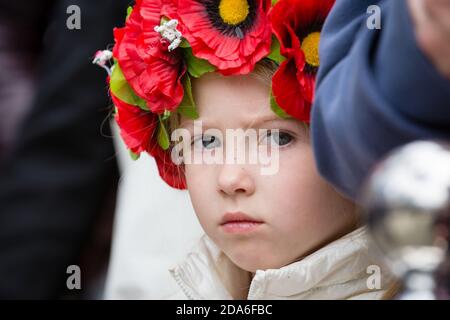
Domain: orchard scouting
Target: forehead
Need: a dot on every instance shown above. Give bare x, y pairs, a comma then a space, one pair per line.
232, 100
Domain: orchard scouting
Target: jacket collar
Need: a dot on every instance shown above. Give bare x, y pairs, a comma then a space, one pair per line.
339, 270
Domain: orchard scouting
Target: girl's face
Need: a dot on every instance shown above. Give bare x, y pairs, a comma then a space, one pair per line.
275, 219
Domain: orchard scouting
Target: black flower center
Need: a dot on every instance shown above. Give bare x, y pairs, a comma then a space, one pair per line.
231, 21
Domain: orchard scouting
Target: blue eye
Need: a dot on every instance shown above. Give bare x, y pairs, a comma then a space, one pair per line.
278, 138
207, 142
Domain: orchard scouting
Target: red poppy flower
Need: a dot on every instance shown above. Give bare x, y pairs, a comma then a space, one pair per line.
138, 129
170, 172
297, 25
233, 35
152, 71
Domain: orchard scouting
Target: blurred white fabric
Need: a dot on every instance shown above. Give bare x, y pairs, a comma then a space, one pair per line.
155, 227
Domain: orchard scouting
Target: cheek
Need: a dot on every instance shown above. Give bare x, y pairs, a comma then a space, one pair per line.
296, 180
298, 196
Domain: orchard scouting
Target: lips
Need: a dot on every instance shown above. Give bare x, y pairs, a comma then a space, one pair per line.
239, 222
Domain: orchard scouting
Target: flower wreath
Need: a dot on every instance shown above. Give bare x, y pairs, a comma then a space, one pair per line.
165, 43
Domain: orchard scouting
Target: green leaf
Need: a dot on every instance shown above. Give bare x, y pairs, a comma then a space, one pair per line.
134, 156
277, 109
129, 11
184, 43
163, 20
163, 136
196, 66
166, 115
275, 53
122, 90
188, 111
187, 107
274, 2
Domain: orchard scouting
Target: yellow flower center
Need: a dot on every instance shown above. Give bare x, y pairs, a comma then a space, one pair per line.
233, 11
310, 47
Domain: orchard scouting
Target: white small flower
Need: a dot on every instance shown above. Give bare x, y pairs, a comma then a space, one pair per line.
168, 31
101, 58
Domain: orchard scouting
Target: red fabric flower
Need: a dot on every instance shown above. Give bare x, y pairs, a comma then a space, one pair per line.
138, 129
171, 173
233, 35
297, 25
153, 72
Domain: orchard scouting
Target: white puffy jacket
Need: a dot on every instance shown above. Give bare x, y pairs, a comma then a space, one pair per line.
343, 269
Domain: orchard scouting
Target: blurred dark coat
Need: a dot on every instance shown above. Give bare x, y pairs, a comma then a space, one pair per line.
61, 173
375, 91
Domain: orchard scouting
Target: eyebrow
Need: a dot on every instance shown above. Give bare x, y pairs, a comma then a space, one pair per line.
247, 124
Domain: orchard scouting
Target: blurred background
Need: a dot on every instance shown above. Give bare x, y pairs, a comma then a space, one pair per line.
58, 171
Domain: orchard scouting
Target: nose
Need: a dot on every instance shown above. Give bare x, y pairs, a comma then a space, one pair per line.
235, 179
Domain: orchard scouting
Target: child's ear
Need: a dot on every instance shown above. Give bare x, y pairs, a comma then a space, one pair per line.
171, 173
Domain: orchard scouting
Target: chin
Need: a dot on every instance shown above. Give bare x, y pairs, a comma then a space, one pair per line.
251, 254
254, 262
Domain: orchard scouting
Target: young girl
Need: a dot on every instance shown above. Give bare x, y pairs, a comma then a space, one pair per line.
241, 65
